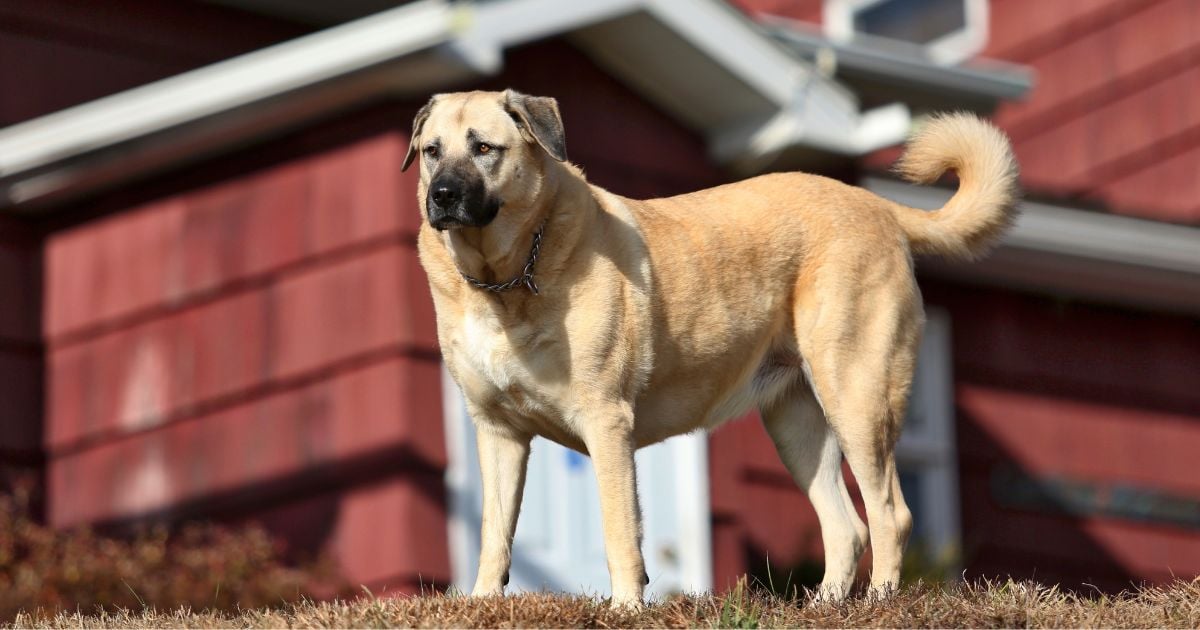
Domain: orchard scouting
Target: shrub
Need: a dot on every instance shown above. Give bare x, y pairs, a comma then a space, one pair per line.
203, 566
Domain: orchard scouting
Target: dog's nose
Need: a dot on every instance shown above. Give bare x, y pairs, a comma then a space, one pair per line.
445, 196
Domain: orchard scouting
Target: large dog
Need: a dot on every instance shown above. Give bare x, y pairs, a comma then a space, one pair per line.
606, 324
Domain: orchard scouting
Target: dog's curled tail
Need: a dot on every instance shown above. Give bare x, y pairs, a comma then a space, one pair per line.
986, 202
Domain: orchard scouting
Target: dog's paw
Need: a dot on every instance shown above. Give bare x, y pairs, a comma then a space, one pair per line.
627, 603
881, 592
487, 591
830, 593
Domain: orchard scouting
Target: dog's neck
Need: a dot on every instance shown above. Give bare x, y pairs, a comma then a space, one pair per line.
499, 252
492, 253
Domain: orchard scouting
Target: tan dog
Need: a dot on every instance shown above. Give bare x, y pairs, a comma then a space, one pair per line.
606, 324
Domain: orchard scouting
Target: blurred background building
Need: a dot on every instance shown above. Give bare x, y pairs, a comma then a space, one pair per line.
213, 308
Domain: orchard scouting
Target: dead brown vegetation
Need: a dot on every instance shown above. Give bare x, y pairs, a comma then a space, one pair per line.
980, 604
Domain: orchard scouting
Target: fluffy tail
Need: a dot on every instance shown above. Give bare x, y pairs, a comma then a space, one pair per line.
985, 204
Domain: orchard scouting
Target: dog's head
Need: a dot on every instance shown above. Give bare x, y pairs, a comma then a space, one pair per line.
481, 152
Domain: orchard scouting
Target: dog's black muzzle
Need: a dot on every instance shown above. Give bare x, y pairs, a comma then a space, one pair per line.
455, 201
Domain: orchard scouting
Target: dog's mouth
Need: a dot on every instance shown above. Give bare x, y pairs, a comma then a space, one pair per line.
461, 216
444, 223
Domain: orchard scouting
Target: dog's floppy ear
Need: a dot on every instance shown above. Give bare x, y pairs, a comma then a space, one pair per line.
414, 140
538, 117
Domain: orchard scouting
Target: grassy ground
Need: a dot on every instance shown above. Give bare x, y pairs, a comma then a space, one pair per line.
1007, 604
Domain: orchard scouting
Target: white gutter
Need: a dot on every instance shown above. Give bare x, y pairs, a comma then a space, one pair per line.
423, 47
1076, 252
903, 65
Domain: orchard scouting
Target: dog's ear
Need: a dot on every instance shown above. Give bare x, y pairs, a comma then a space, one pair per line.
414, 140
538, 118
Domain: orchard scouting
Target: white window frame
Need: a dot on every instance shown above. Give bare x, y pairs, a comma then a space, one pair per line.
838, 21
928, 449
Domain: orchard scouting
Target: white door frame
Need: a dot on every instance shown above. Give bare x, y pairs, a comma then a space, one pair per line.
692, 535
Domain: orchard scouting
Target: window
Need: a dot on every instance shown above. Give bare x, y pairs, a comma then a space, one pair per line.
945, 31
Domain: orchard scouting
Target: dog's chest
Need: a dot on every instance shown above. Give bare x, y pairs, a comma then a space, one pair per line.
486, 349
498, 361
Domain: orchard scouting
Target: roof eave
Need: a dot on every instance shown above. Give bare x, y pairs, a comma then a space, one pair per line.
980, 84
740, 84
1066, 251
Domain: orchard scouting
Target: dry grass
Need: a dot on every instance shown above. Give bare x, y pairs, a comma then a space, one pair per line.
1008, 604
197, 565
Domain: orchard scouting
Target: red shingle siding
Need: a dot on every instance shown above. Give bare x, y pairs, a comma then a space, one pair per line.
1125, 136
1049, 437
246, 343
803, 10
1023, 29
191, 246
1116, 99
1061, 391
351, 413
152, 372
1169, 191
59, 53
1131, 61
20, 360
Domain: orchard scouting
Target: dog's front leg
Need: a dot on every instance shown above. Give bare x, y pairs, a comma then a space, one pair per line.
503, 455
610, 443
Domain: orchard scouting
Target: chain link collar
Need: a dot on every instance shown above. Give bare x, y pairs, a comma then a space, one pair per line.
526, 277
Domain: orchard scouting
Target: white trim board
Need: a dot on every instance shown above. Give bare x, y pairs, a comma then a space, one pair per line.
1061, 250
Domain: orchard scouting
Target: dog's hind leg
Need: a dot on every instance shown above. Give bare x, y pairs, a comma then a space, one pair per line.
860, 346
811, 453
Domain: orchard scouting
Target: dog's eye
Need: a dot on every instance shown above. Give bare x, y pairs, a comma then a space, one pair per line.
483, 148
431, 151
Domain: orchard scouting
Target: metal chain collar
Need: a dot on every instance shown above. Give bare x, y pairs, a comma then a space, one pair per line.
526, 277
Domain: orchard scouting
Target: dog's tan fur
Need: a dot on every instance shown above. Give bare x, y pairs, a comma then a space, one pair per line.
790, 292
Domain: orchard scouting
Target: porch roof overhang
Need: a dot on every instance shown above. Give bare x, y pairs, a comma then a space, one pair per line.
703, 62
1073, 252
881, 70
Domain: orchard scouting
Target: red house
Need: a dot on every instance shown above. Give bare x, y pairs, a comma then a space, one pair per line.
214, 307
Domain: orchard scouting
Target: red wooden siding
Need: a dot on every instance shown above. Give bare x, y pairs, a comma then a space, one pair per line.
246, 344
20, 359
1113, 117
58, 53
1022, 29
1069, 391
803, 10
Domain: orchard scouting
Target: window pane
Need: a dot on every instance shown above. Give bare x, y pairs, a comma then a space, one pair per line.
910, 485
919, 21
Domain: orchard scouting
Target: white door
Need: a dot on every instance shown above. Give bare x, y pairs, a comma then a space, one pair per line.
559, 545
926, 456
